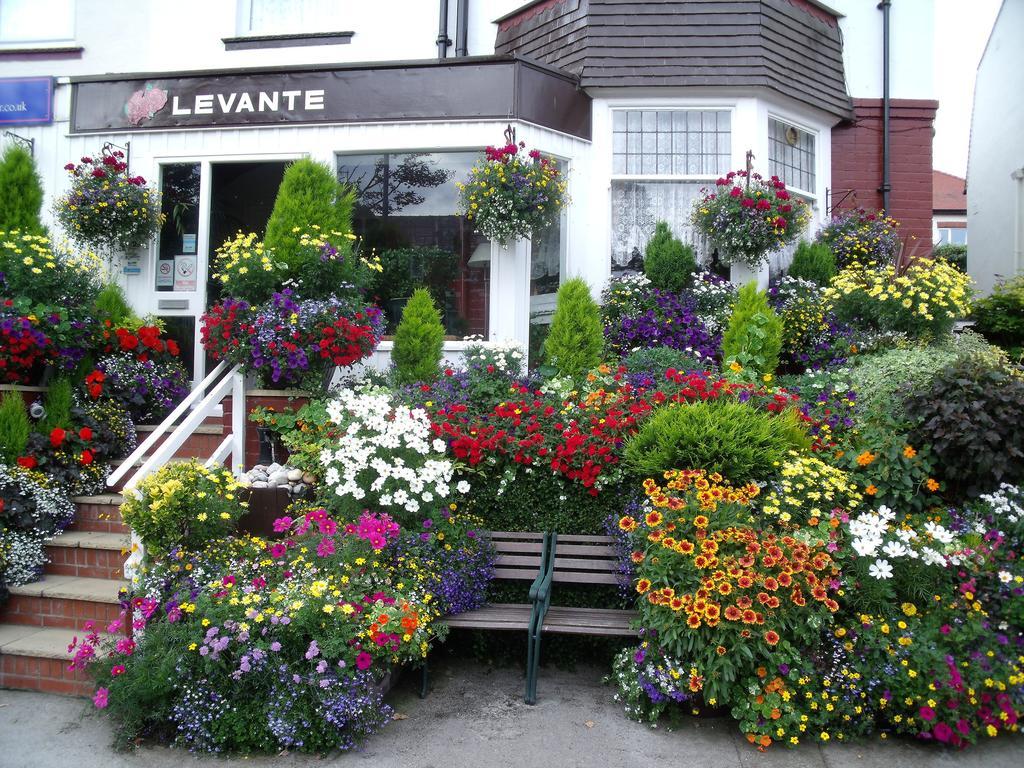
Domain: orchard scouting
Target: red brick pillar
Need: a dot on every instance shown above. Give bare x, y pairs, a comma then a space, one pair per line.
857, 163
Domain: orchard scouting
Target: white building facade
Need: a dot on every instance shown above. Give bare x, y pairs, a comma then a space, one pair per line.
213, 98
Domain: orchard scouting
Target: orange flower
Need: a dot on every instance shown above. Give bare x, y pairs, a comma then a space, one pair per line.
871, 490
643, 585
637, 557
732, 613
720, 650
932, 485
653, 519
676, 604
627, 523
693, 622
866, 458
909, 451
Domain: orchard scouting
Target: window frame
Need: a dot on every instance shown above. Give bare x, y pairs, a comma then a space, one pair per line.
45, 42
243, 24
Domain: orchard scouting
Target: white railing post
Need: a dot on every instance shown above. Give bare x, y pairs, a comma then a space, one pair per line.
239, 415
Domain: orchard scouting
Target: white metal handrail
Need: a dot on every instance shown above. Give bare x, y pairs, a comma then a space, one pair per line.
232, 382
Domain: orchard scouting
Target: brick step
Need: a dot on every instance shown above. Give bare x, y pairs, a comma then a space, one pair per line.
35, 659
115, 463
91, 554
200, 444
101, 514
63, 601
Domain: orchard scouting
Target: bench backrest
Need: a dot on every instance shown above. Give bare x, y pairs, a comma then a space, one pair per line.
586, 560
518, 555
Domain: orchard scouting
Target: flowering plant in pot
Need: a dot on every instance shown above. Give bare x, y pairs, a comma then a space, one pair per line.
859, 236
106, 206
512, 193
747, 217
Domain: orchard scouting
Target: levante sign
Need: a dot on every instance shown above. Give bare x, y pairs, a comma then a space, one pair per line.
495, 88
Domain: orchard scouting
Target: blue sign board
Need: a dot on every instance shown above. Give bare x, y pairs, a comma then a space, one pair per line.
26, 100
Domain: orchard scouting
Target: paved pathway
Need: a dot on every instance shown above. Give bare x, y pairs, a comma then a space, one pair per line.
475, 717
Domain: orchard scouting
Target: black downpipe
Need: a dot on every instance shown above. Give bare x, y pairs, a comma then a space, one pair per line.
443, 41
462, 28
886, 185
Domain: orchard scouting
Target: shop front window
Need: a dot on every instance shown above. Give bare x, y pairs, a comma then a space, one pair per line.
405, 213
661, 159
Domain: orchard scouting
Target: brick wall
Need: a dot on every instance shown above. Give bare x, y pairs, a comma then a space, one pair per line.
267, 399
857, 162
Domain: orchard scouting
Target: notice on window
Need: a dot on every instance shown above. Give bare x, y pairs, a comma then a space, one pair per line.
165, 273
185, 268
188, 243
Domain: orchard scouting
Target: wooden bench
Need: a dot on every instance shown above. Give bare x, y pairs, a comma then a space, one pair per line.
518, 556
545, 559
575, 560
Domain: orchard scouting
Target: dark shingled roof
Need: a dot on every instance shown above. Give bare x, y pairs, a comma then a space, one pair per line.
789, 46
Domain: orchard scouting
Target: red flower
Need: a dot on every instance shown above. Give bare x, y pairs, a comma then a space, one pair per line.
57, 437
771, 637
85, 433
28, 462
87, 456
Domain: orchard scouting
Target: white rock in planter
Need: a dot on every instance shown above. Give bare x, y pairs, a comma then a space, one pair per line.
294, 475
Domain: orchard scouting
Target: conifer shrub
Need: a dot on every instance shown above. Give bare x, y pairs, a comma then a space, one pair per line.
418, 340
14, 427
741, 442
57, 402
575, 343
308, 199
112, 304
21, 192
814, 262
668, 263
753, 338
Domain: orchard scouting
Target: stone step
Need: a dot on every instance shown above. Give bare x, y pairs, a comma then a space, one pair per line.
100, 514
88, 553
68, 602
36, 659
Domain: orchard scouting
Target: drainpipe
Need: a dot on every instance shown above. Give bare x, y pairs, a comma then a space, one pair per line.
462, 28
886, 187
443, 41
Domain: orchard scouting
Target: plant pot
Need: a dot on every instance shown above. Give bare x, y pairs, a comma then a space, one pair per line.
740, 274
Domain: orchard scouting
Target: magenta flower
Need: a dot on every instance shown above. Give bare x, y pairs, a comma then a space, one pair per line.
100, 698
326, 547
927, 713
117, 669
364, 660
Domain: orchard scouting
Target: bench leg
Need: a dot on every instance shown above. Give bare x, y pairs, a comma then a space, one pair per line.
533, 672
424, 679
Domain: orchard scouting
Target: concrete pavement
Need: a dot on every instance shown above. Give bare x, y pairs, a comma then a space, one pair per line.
475, 717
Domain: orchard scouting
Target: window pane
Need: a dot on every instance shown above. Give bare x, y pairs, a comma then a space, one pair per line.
36, 20
405, 213
638, 205
268, 17
179, 186
791, 155
671, 141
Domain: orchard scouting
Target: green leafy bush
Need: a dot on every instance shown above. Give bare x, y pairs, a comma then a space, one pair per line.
753, 338
21, 192
667, 262
418, 341
953, 253
1000, 316
183, 504
14, 427
972, 417
575, 342
656, 360
309, 199
814, 262
735, 439
58, 401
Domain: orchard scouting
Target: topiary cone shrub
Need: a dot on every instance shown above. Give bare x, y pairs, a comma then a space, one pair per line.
575, 343
668, 263
418, 340
308, 199
21, 192
814, 262
753, 339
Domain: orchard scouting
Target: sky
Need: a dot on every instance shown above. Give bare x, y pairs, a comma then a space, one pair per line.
961, 31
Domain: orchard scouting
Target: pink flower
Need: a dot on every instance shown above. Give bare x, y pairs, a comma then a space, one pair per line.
100, 698
363, 660
326, 547
117, 669
736, 191
942, 732
278, 551
927, 713
282, 524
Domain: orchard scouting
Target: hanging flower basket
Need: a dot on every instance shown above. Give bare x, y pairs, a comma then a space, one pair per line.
748, 221
107, 208
512, 193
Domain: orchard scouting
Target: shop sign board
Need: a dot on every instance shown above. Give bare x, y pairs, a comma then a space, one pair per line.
26, 100
354, 93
